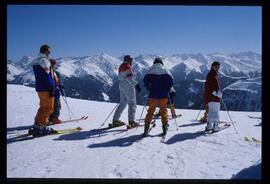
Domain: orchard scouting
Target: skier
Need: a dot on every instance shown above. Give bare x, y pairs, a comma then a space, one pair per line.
127, 87
170, 103
158, 81
45, 87
212, 96
54, 117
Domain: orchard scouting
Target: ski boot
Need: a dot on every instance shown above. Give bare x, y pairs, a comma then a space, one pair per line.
146, 128
164, 128
38, 131
132, 124
215, 126
209, 127
116, 123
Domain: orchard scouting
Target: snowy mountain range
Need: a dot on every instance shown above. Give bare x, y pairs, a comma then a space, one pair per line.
95, 77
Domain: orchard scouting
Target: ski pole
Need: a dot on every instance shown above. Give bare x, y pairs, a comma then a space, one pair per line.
69, 109
229, 116
109, 115
65, 100
199, 112
144, 106
146, 98
172, 114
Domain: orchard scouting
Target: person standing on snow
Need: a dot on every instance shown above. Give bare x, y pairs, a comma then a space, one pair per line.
54, 117
127, 87
158, 81
45, 87
212, 96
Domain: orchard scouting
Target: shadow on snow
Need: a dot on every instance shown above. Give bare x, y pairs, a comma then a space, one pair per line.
252, 172
15, 139
120, 142
192, 124
84, 135
183, 137
19, 128
190, 136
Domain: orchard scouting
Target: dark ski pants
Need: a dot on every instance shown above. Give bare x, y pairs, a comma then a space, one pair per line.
56, 108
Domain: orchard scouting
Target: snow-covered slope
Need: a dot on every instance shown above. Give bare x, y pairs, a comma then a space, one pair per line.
244, 94
186, 153
252, 85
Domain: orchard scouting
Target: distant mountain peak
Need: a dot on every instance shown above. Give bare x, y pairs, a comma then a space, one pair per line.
95, 75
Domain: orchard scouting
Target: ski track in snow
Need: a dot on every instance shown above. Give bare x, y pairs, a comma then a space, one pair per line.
185, 154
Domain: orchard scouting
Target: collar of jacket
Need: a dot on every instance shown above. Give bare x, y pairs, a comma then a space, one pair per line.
158, 69
125, 62
213, 72
40, 55
158, 64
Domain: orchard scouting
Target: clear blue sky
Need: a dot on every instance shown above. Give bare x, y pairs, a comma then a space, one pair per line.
83, 30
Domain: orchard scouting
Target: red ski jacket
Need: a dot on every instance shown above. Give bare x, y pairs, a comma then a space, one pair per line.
211, 85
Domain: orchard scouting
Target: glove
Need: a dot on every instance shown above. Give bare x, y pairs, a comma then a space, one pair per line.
218, 94
51, 92
138, 88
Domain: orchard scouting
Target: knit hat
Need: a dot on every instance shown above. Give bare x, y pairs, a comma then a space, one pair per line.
127, 58
215, 63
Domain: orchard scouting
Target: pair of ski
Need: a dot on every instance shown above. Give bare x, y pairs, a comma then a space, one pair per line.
71, 120
143, 135
61, 131
222, 127
159, 117
163, 136
254, 117
252, 140
27, 136
129, 127
152, 125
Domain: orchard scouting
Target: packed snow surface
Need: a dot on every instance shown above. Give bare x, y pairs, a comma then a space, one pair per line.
186, 153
